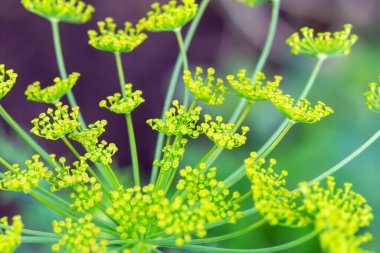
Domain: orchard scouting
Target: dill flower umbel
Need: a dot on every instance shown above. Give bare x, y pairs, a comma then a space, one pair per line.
69, 11
254, 90
10, 238
210, 90
53, 93
373, 97
169, 17
323, 44
7, 80
112, 40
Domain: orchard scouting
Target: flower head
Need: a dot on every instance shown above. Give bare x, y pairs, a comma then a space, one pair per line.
373, 97
7, 80
21, 180
69, 11
55, 124
10, 238
53, 93
172, 155
112, 40
252, 3
89, 136
339, 214
123, 105
223, 134
324, 44
78, 236
101, 152
302, 112
275, 202
254, 90
169, 17
86, 196
178, 121
210, 90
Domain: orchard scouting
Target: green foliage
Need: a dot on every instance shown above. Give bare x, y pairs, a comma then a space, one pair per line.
51, 94
7, 80
117, 41
69, 11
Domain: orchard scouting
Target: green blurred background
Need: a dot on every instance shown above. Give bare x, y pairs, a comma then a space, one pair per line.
230, 37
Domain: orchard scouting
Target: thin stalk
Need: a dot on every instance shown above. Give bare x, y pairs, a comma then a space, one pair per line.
32, 232
231, 235
185, 64
6, 164
264, 53
71, 147
173, 82
278, 248
128, 118
62, 67
111, 175
50, 204
246, 214
38, 240
25, 136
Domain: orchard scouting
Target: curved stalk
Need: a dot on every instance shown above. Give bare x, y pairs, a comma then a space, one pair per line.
173, 81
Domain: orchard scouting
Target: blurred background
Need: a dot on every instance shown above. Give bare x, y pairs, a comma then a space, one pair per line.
230, 37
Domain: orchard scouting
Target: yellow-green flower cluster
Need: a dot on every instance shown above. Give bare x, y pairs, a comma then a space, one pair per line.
7, 80
254, 90
101, 152
10, 238
89, 137
78, 236
21, 180
252, 3
69, 11
223, 134
172, 155
55, 124
169, 17
303, 111
112, 40
67, 176
276, 203
210, 90
323, 44
53, 93
178, 121
340, 214
123, 105
86, 196
373, 97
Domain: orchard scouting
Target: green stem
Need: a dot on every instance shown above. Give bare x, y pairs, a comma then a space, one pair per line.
278, 248
173, 82
231, 235
6, 164
185, 63
128, 118
32, 232
62, 67
111, 175
25, 136
72, 149
38, 240
264, 54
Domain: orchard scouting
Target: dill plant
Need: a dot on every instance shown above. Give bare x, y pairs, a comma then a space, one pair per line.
103, 214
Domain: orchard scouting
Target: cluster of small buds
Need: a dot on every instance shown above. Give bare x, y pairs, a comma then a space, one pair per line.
20, 180
89, 137
169, 17
117, 41
339, 214
7, 80
178, 121
254, 90
373, 97
223, 134
55, 124
86, 196
172, 155
10, 238
53, 93
324, 44
303, 111
210, 90
102, 152
69, 11
123, 105
67, 176
276, 203
252, 3
78, 236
